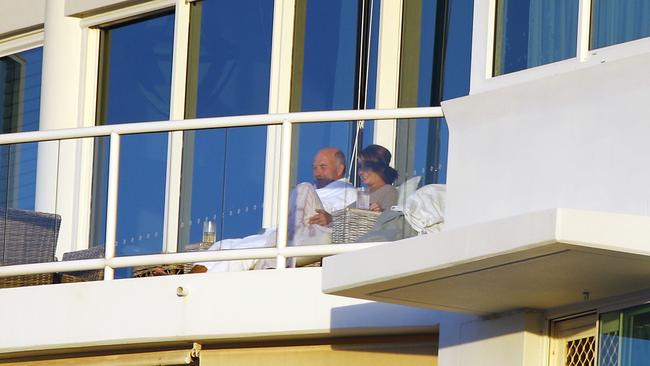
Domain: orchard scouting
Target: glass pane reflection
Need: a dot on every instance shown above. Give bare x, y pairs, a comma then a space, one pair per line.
530, 33
625, 337
134, 92
229, 74
20, 99
618, 21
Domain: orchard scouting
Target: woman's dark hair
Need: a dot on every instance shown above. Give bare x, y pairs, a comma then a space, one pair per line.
377, 159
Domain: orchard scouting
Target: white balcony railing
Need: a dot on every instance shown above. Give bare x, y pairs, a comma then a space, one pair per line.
280, 252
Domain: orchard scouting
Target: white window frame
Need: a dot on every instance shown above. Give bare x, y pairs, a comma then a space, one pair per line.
279, 97
483, 38
91, 30
22, 42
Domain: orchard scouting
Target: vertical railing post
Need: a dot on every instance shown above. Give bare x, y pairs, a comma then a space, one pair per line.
111, 204
283, 209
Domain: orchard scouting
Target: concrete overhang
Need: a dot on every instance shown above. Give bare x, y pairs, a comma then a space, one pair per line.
539, 260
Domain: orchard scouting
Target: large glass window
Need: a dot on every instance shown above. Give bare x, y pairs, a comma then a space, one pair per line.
135, 86
229, 74
530, 33
435, 65
334, 67
20, 99
618, 21
624, 337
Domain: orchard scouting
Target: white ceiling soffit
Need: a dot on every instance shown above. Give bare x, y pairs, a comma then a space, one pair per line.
538, 260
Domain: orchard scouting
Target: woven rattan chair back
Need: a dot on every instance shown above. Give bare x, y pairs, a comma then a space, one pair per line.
27, 237
82, 276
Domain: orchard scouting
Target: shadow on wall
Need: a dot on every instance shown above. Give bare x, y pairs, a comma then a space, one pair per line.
449, 329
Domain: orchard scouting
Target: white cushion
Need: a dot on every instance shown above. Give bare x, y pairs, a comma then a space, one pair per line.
406, 189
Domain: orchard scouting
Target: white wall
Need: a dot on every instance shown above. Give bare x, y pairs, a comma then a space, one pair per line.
230, 306
515, 339
577, 139
23, 14
83, 8
57, 188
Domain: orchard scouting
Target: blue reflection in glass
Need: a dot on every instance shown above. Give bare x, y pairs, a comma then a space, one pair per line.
136, 87
20, 99
458, 51
618, 21
371, 90
427, 139
223, 169
329, 77
530, 33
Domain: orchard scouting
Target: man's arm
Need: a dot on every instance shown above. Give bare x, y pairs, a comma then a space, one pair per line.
321, 217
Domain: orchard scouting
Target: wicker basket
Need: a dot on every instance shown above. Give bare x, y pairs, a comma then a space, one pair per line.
169, 269
350, 224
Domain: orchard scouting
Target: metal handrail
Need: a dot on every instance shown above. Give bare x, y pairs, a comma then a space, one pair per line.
280, 252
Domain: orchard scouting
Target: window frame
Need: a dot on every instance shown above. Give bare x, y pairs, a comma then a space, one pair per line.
279, 98
484, 33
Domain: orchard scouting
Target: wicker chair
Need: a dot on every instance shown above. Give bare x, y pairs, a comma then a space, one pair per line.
27, 237
83, 276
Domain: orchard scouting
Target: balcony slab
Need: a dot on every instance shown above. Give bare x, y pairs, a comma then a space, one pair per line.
539, 260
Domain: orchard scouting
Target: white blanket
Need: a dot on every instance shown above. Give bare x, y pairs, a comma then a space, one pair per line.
424, 210
305, 199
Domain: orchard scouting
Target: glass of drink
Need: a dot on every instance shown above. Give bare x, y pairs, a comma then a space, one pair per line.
209, 233
363, 198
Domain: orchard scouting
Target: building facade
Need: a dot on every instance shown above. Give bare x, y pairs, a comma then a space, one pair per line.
134, 122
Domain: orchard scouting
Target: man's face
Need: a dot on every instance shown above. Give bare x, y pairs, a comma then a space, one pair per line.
325, 168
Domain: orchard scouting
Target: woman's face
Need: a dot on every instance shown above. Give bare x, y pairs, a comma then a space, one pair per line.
371, 179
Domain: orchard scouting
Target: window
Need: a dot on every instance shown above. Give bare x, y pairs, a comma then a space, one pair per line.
530, 33
228, 74
435, 65
20, 99
573, 341
135, 85
618, 21
625, 337
334, 67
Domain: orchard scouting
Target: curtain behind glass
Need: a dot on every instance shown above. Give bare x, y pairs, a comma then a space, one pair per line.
135, 86
228, 74
618, 21
20, 98
530, 33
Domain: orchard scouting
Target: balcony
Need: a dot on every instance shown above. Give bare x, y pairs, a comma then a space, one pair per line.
279, 303
61, 151
542, 260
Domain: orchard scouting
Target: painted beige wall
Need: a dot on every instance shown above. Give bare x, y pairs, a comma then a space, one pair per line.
81, 8
17, 15
514, 339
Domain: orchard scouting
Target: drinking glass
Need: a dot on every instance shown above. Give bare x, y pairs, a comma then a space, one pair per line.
363, 198
209, 233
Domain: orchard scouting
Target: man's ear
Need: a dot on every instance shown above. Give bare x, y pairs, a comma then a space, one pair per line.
340, 169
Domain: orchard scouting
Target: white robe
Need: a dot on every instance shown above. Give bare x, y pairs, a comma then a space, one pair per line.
304, 201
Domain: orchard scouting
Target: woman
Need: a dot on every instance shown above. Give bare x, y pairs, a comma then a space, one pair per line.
378, 176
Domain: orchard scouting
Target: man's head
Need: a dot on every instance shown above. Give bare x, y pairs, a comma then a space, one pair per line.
328, 166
